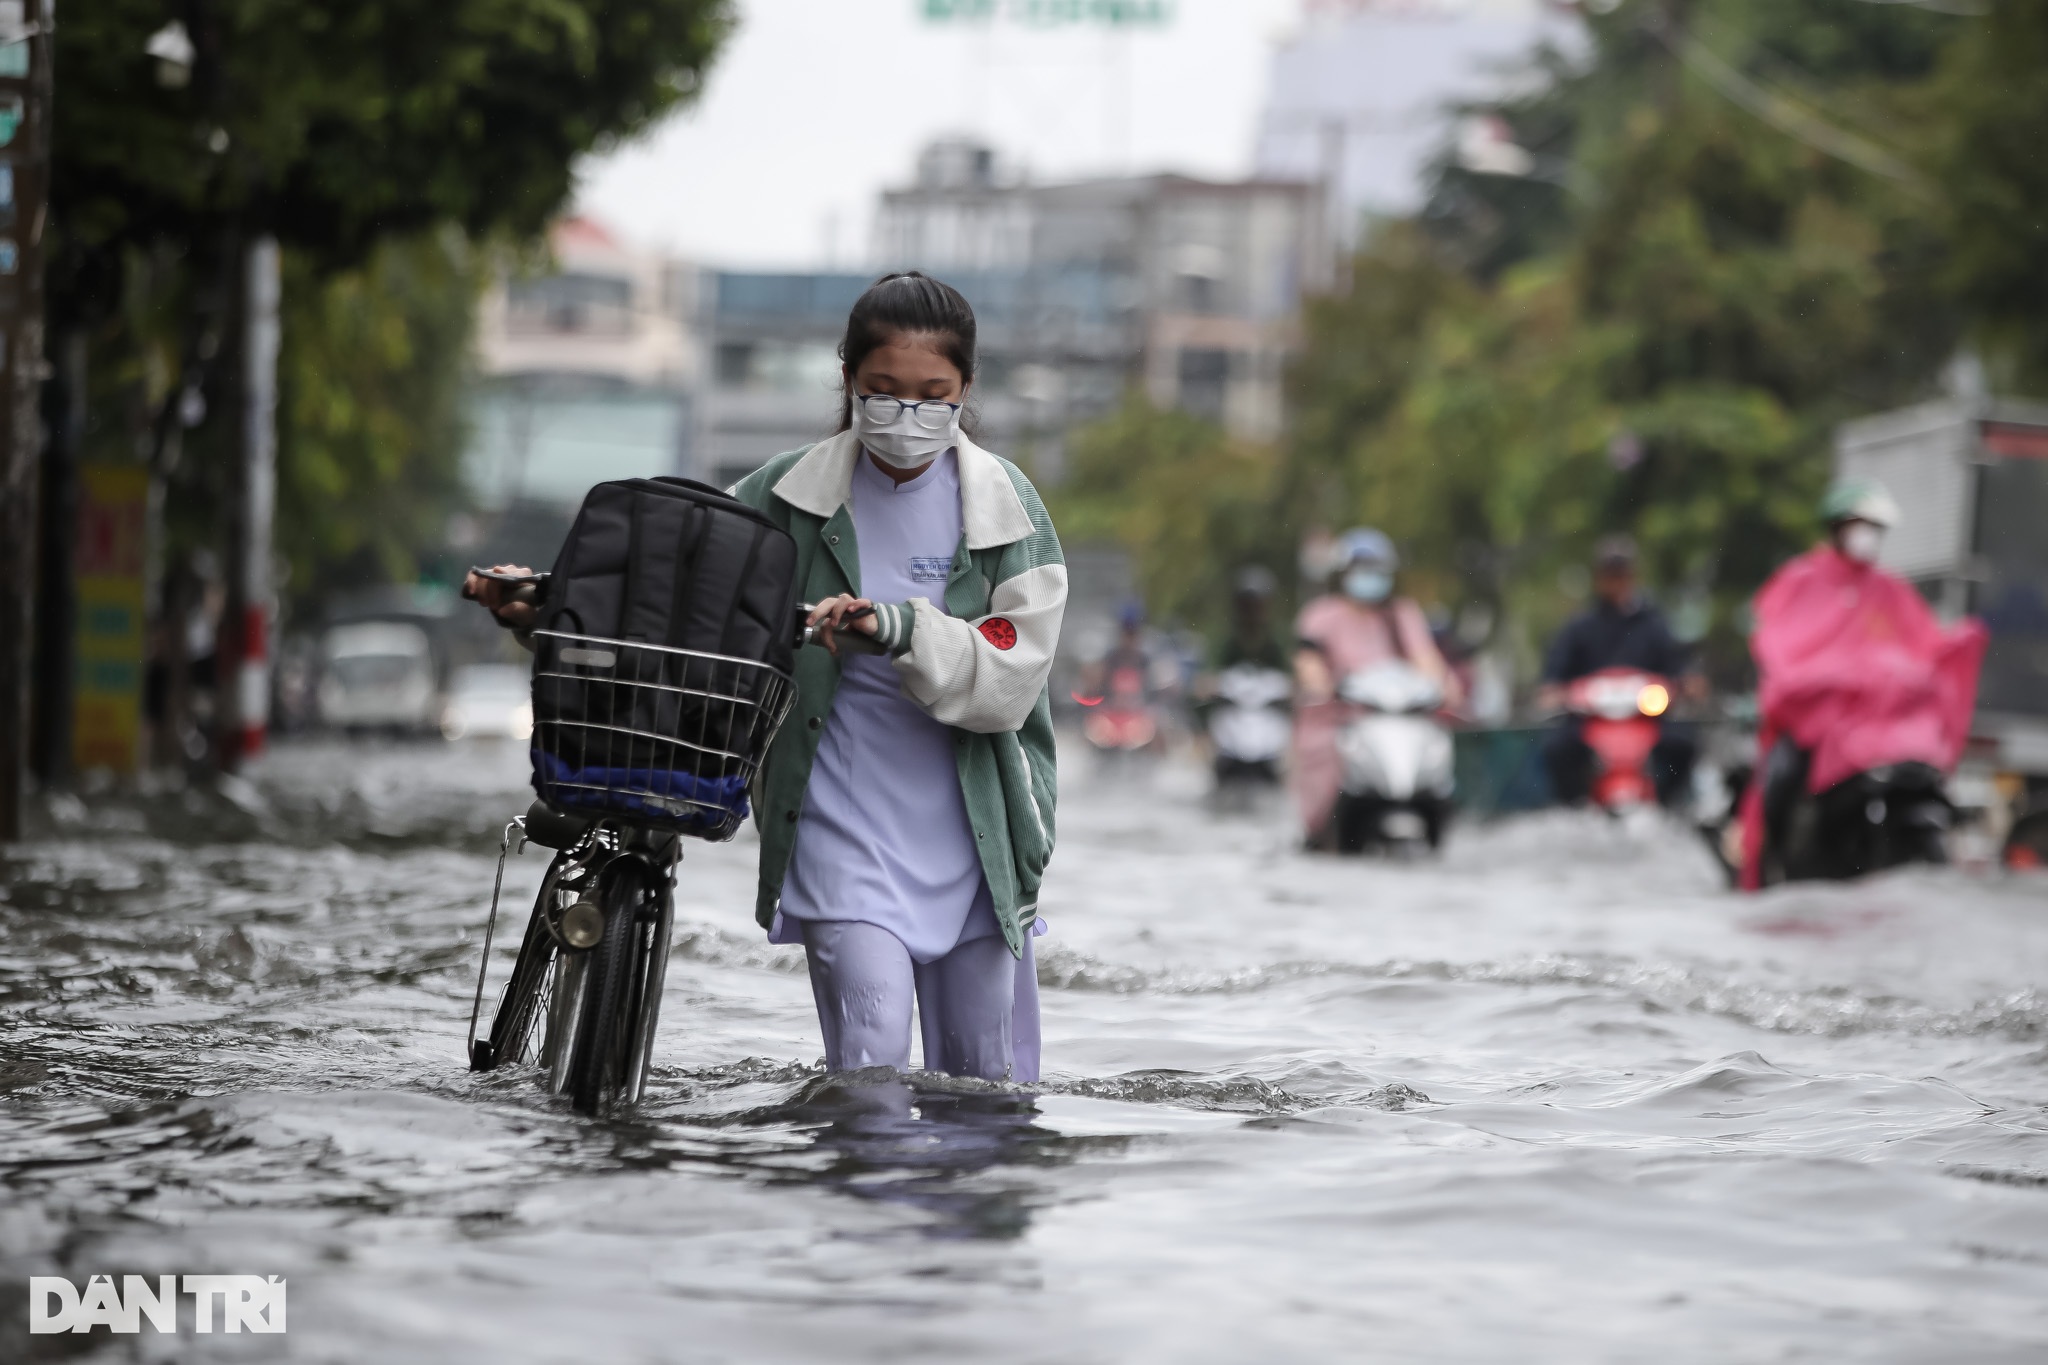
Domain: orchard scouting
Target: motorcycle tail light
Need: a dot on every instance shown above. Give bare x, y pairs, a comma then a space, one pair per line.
1654, 699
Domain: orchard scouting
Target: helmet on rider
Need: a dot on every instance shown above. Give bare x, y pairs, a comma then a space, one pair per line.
1852, 499
1369, 561
1858, 513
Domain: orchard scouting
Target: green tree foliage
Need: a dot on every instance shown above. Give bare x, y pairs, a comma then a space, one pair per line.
1669, 349
1746, 221
336, 123
1990, 144
374, 138
1176, 490
370, 425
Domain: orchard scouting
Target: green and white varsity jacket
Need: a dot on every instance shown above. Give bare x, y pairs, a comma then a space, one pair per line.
979, 666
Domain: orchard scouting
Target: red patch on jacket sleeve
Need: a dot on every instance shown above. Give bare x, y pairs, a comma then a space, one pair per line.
998, 632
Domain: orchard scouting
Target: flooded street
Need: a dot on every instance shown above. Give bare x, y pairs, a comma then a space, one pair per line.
1557, 1098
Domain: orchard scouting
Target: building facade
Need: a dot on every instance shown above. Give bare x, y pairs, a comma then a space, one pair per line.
1187, 289
587, 371
618, 364
772, 383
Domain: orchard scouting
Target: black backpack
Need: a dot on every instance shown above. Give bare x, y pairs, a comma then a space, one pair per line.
678, 564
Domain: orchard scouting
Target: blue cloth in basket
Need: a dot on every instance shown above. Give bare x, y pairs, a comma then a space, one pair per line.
568, 789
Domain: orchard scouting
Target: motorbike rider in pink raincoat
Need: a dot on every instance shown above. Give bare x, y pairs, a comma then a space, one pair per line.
1854, 670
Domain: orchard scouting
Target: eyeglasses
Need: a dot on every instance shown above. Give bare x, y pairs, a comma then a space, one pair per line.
931, 414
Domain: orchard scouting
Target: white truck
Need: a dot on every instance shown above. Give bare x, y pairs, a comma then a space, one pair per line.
1971, 476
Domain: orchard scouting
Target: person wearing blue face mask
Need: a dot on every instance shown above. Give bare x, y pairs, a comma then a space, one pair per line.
1359, 623
1368, 583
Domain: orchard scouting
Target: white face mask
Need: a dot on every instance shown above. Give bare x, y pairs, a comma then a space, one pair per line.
1861, 541
904, 441
1367, 585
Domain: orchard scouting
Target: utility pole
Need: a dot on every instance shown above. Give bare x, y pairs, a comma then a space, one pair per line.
1333, 236
244, 677
25, 51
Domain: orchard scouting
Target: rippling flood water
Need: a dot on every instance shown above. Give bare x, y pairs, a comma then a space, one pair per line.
1557, 1098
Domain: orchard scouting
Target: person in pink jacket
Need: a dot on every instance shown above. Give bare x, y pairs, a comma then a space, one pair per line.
1853, 669
1347, 630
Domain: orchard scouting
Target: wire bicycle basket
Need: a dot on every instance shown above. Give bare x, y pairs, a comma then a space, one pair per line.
651, 735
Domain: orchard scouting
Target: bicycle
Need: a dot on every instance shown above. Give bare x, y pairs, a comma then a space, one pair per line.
637, 747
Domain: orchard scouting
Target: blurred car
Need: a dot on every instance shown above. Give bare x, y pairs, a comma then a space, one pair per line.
377, 675
488, 700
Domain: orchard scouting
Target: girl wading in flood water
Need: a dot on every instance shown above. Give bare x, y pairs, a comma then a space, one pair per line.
906, 807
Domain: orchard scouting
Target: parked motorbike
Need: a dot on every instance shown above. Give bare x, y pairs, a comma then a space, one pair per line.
1249, 725
1620, 714
1395, 758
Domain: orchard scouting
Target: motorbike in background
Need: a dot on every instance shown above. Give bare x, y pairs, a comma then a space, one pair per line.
1620, 717
1395, 760
1885, 817
1121, 720
2026, 843
1249, 725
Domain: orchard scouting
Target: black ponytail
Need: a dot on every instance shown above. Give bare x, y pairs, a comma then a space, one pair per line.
906, 303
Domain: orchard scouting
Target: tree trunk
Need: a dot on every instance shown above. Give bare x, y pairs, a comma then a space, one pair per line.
56, 597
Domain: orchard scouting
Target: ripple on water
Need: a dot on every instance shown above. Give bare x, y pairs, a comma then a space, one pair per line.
2020, 1014
1555, 1098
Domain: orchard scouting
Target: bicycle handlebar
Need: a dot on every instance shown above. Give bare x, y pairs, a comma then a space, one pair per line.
527, 588
850, 640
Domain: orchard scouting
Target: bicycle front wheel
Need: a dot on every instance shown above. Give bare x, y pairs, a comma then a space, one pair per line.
519, 1005
609, 1044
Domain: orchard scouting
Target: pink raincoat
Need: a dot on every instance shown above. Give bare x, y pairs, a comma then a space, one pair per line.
1854, 667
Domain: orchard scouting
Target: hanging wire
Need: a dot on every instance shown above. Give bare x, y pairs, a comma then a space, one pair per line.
1973, 9
1790, 117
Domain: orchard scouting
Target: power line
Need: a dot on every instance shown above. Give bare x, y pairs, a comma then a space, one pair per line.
1974, 9
1790, 117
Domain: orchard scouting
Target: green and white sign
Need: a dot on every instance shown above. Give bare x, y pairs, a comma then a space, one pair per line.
1052, 13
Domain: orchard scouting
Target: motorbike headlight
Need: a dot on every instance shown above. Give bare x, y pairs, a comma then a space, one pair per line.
1654, 699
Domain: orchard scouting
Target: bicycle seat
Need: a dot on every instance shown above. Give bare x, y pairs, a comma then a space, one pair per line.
550, 828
